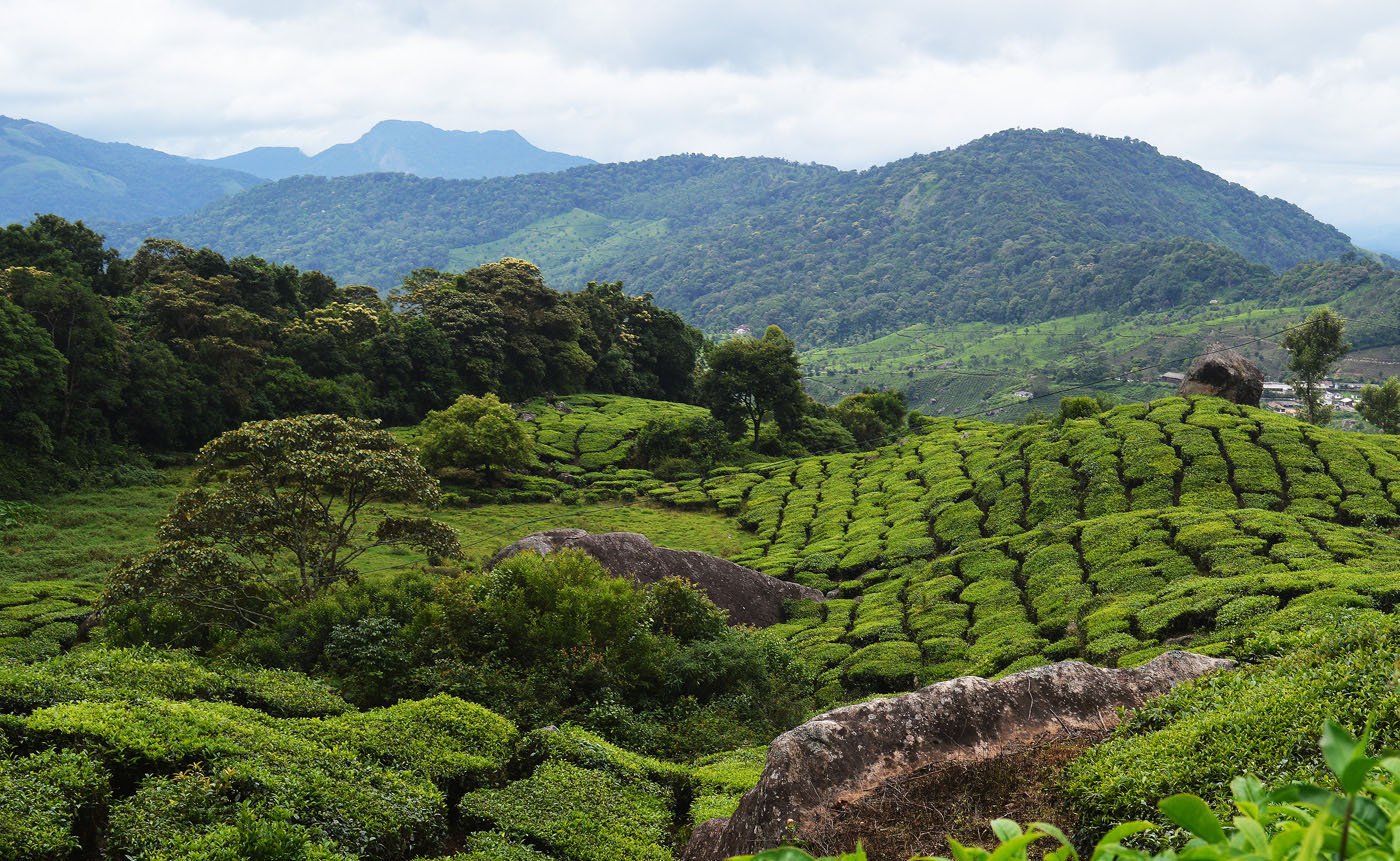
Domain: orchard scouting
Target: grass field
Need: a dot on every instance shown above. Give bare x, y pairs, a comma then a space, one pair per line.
54, 562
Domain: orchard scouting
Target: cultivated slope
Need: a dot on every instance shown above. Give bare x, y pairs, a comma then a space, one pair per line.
827, 254
980, 548
44, 169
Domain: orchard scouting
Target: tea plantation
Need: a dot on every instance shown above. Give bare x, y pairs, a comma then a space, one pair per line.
582, 433
976, 548
155, 754
962, 547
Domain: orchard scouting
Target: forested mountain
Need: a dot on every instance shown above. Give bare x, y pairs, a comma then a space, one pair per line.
977, 232
408, 147
44, 169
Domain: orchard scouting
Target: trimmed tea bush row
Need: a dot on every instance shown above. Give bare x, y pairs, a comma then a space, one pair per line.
156, 754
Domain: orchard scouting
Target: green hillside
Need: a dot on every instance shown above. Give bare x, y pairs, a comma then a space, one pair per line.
993, 230
983, 549
976, 368
44, 169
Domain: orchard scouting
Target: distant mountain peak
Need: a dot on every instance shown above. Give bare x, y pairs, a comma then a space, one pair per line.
409, 146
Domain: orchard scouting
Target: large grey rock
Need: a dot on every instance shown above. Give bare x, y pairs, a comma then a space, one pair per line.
750, 597
837, 758
1224, 373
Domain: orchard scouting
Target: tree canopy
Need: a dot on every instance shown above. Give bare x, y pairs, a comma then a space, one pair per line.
749, 379
1315, 348
163, 351
275, 521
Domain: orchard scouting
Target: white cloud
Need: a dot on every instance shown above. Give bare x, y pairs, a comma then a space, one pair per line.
1292, 98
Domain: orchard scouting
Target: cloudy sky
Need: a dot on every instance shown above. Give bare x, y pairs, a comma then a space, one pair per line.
1299, 100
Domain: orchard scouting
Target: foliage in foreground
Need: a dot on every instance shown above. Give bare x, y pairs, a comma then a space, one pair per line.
541, 640
1258, 720
158, 754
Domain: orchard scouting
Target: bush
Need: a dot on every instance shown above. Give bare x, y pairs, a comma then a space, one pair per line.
578, 813
475, 434
556, 638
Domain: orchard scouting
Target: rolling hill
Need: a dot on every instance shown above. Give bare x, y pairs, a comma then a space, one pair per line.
980, 232
45, 169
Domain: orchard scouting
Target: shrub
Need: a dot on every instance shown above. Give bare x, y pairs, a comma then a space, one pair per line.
578, 813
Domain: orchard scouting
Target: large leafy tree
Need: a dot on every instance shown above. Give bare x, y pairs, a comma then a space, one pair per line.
1316, 347
476, 434
1380, 405
79, 326
749, 379
276, 520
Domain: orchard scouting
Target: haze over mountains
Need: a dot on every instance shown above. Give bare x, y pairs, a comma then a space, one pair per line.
984, 231
397, 146
46, 169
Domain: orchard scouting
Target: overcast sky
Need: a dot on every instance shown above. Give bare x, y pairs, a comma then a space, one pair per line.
1299, 100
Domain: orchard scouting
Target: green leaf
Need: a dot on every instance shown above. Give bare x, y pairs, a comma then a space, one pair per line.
1339, 748
1047, 828
1284, 842
1311, 844
1253, 833
1005, 829
1353, 777
1368, 815
1109, 844
782, 853
1249, 795
1191, 813
1014, 848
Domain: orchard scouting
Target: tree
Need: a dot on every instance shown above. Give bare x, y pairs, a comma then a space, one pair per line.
1380, 405
871, 414
1315, 346
475, 433
750, 378
274, 521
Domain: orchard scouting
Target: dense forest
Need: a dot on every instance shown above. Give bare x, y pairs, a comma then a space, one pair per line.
163, 350
985, 231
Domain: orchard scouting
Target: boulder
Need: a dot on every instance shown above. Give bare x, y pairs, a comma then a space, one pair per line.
836, 759
752, 598
1224, 373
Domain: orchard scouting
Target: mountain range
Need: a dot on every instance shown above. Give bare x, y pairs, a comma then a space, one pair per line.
397, 146
985, 231
46, 169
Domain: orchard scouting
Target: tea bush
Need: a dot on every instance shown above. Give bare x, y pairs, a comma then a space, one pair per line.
1190, 520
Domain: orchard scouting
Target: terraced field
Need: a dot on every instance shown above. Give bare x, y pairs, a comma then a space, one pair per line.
582, 433
978, 548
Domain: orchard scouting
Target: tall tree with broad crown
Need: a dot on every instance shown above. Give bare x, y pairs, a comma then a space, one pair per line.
276, 520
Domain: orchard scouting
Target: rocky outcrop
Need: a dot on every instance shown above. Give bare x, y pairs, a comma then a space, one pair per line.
1224, 373
750, 597
838, 758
